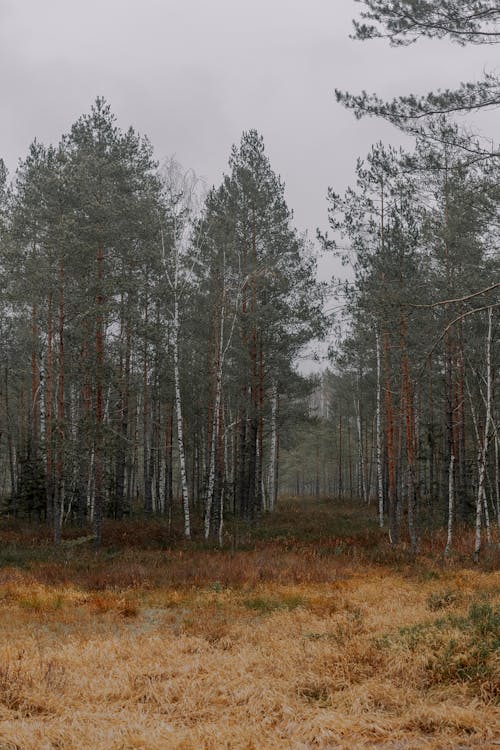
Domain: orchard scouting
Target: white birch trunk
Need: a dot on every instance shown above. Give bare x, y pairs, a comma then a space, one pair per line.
180, 429
487, 519
483, 447
380, 482
215, 429
181, 195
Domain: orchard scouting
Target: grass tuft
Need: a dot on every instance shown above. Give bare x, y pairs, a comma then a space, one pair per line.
266, 605
442, 600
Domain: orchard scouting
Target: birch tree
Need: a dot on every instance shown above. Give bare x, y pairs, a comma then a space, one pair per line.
181, 199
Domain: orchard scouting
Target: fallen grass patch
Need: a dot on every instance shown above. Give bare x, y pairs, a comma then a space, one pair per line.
265, 605
327, 640
456, 649
302, 665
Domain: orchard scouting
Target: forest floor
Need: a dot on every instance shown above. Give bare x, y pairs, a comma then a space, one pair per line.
307, 632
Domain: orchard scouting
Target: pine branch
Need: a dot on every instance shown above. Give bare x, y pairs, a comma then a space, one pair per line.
458, 300
403, 22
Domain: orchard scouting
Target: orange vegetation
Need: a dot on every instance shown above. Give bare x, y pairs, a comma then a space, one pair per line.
357, 654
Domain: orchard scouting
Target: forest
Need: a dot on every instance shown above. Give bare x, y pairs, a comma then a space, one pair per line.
150, 330
203, 545
148, 338
412, 418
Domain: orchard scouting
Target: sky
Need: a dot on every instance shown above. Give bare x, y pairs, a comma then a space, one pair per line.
193, 74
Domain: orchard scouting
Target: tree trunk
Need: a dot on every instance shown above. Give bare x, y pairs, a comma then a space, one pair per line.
393, 525
58, 486
168, 461
361, 454
99, 374
49, 381
484, 444
180, 430
219, 362
451, 493
10, 442
273, 459
35, 386
380, 480
148, 499
410, 427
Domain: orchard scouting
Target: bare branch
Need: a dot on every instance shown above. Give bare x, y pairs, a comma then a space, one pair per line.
458, 299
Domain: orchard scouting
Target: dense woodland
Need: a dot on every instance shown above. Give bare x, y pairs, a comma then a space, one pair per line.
410, 411
150, 328
149, 331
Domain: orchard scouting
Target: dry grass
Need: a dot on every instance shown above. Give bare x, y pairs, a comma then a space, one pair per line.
280, 645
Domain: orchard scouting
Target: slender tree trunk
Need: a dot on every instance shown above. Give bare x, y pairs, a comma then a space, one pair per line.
168, 461
159, 498
99, 413
431, 439
58, 495
253, 490
273, 460
361, 455
10, 442
497, 480
394, 531
86, 441
241, 457
349, 453
260, 431
451, 493
180, 429
340, 481
148, 500
35, 385
462, 434
380, 479
483, 446
49, 385
219, 362
124, 421
410, 427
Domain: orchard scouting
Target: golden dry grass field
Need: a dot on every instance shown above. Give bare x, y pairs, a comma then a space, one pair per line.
330, 641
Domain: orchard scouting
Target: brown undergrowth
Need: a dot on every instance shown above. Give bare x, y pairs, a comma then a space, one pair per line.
296, 641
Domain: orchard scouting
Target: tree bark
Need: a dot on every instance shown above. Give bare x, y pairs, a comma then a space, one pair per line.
273, 459
58, 486
99, 413
180, 429
380, 479
410, 431
484, 444
49, 381
451, 494
393, 530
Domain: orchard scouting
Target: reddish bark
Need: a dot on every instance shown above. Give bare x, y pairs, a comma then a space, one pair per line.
99, 413
60, 413
35, 380
49, 385
389, 420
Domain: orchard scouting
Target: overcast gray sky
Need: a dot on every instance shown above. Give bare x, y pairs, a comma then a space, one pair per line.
192, 74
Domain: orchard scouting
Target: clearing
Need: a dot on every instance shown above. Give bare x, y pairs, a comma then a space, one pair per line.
309, 633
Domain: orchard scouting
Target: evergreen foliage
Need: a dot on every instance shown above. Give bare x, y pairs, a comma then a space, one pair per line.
140, 315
